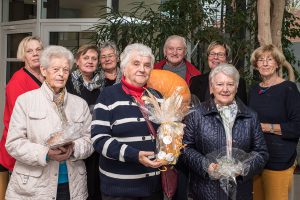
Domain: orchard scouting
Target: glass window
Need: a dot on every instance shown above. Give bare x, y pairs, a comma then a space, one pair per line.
13, 41
11, 68
127, 5
71, 40
72, 8
14, 10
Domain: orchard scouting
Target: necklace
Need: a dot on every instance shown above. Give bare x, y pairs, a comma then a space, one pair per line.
263, 87
263, 90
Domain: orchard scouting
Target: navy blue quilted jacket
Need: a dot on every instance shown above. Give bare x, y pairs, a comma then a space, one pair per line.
204, 133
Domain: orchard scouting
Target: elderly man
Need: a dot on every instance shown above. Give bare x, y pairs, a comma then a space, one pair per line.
121, 136
174, 52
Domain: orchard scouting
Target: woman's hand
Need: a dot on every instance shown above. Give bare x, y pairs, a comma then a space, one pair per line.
212, 167
144, 160
61, 153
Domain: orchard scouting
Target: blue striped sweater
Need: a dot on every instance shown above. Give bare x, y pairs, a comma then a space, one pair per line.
119, 132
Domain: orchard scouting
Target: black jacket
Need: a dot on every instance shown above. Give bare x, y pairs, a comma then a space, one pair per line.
204, 133
200, 87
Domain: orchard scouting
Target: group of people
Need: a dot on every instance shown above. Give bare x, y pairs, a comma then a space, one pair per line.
114, 159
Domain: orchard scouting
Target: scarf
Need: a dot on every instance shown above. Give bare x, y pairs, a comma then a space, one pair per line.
98, 80
58, 100
228, 115
134, 91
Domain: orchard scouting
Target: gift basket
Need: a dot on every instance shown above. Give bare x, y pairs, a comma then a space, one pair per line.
64, 136
228, 168
169, 114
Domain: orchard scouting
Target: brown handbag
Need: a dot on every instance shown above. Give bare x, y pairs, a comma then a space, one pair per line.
169, 175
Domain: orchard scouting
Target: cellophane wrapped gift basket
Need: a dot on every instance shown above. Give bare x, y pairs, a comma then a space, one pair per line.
169, 114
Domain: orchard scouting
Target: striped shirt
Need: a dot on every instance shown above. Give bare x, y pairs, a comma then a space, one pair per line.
119, 132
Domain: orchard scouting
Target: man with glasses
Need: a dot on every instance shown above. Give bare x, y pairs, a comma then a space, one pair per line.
175, 52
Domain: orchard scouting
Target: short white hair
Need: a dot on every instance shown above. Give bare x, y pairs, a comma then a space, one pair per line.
228, 70
175, 37
54, 51
140, 49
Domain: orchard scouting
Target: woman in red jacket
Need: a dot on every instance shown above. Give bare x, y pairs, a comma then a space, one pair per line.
27, 78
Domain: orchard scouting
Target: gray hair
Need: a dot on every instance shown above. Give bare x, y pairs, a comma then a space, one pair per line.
139, 48
109, 45
54, 51
177, 37
228, 70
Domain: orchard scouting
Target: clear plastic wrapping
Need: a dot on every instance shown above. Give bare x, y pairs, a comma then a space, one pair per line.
228, 168
169, 113
64, 136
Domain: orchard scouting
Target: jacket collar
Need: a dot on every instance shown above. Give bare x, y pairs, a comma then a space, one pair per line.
210, 108
49, 94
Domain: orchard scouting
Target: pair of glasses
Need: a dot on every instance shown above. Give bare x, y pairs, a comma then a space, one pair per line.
32, 51
219, 54
267, 60
110, 56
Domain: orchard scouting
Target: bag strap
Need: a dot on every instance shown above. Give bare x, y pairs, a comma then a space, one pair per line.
149, 124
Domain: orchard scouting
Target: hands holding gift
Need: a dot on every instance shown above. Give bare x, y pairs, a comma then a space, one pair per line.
61, 153
144, 159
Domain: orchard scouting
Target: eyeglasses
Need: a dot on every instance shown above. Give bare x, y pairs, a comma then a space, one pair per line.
109, 56
219, 54
32, 51
267, 60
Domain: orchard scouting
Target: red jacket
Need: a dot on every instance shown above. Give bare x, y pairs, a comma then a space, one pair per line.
190, 72
20, 83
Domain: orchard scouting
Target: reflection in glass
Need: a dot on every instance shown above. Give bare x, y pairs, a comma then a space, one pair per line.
72, 8
11, 68
13, 41
71, 40
19, 10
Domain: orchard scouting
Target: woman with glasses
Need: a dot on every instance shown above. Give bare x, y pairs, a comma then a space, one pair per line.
25, 79
217, 53
277, 103
42, 171
109, 57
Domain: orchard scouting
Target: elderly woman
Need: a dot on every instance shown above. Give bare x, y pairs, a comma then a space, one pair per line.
25, 79
87, 81
175, 50
277, 103
42, 172
120, 133
109, 57
206, 132
217, 53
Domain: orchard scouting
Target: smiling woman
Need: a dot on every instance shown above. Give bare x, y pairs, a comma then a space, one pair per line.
217, 53
222, 122
121, 136
277, 103
37, 115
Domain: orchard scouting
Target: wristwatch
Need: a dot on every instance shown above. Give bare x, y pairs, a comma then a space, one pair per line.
271, 128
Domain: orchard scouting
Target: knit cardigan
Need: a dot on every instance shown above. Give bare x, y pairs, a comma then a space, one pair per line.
119, 132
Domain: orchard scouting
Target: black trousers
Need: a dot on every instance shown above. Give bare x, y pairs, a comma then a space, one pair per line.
182, 185
63, 192
93, 177
155, 196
